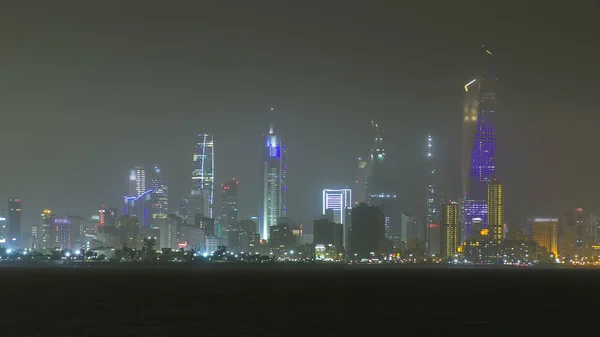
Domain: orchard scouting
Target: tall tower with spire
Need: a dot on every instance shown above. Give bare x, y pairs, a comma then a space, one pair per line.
378, 189
478, 144
273, 198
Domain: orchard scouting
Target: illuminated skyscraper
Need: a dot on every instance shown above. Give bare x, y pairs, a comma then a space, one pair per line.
363, 168
273, 183
44, 232
203, 173
14, 223
229, 205
431, 204
495, 211
137, 181
545, 233
378, 189
339, 201
450, 226
3, 228
478, 145
139, 201
160, 194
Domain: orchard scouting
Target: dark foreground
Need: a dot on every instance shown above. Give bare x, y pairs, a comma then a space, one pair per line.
299, 301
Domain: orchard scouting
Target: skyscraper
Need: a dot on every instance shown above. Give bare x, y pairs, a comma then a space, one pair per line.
431, 205
160, 194
545, 233
339, 201
478, 145
495, 211
44, 232
378, 189
3, 228
137, 181
14, 222
203, 173
363, 167
273, 183
229, 205
139, 200
450, 225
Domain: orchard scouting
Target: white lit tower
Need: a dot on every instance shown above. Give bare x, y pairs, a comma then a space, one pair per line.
273, 182
139, 199
160, 194
203, 174
431, 204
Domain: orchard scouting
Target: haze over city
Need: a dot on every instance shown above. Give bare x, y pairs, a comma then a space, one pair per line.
89, 91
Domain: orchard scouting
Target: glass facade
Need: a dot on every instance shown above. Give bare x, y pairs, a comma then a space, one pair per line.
273, 202
203, 173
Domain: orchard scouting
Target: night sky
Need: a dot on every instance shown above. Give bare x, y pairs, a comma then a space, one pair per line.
90, 89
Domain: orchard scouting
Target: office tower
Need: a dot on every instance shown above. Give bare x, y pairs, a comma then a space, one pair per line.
478, 145
545, 233
194, 208
328, 233
273, 183
203, 173
3, 228
450, 226
229, 205
431, 203
183, 206
238, 236
139, 201
137, 181
60, 234
169, 232
44, 232
434, 240
580, 250
367, 234
128, 229
572, 244
378, 189
281, 238
160, 195
495, 211
14, 222
363, 167
337, 200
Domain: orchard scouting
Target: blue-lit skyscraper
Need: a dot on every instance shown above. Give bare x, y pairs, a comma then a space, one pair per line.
273, 183
139, 201
478, 147
203, 174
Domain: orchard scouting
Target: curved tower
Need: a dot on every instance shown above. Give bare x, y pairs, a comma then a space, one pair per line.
478, 146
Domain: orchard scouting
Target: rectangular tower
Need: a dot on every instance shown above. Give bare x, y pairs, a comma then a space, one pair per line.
450, 226
545, 233
14, 223
203, 173
495, 211
273, 183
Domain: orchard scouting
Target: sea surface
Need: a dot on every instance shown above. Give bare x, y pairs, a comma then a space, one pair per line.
288, 300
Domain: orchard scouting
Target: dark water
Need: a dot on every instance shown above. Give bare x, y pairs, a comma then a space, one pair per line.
299, 301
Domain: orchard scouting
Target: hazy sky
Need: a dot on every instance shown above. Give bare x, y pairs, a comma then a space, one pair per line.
90, 89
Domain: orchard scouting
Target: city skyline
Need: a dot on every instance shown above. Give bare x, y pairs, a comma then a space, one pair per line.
330, 94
